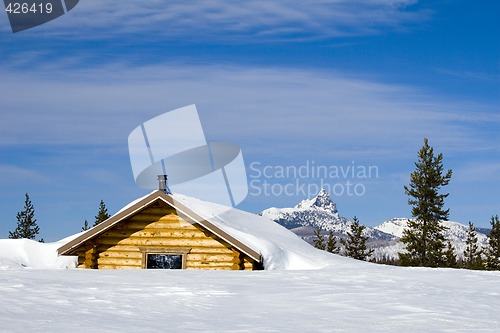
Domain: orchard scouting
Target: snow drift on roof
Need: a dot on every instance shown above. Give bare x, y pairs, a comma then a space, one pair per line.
279, 247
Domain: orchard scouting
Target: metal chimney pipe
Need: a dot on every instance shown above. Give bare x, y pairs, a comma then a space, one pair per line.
162, 184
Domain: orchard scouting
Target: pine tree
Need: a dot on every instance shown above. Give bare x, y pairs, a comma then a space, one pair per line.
355, 244
319, 242
424, 239
331, 244
85, 226
26, 222
450, 258
472, 253
102, 215
493, 250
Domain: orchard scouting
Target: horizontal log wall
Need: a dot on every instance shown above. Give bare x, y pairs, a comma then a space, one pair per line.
159, 228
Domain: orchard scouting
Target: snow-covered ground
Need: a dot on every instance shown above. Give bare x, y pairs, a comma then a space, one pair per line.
346, 296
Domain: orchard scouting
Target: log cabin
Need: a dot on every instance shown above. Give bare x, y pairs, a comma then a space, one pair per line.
159, 232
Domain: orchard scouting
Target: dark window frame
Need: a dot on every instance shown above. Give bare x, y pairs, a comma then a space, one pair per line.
183, 252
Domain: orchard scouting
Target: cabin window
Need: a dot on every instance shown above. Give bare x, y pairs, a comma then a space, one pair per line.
164, 258
164, 261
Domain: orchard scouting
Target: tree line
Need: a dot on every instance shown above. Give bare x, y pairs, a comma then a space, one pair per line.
424, 238
354, 245
28, 228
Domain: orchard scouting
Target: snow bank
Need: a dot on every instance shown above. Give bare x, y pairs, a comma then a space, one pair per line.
18, 253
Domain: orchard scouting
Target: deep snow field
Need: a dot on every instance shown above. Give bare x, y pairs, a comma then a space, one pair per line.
346, 296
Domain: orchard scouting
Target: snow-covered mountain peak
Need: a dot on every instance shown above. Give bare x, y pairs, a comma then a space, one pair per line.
321, 201
318, 212
394, 226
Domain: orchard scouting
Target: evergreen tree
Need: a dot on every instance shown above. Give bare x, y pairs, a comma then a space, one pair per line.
450, 258
424, 237
319, 242
493, 250
102, 214
355, 244
472, 253
331, 244
85, 226
387, 260
26, 222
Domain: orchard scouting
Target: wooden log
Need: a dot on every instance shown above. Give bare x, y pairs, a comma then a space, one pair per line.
91, 251
209, 257
154, 233
90, 257
210, 250
147, 218
207, 263
221, 268
165, 210
119, 248
194, 250
235, 260
119, 267
171, 217
160, 242
200, 266
138, 225
159, 228
89, 263
120, 254
248, 264
119, 262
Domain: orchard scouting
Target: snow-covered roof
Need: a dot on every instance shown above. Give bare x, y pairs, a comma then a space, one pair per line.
280, 248
256, 236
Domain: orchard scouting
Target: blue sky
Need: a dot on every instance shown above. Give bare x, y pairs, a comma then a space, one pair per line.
330, 83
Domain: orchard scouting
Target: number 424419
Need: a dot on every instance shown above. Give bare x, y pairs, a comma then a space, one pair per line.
25, 8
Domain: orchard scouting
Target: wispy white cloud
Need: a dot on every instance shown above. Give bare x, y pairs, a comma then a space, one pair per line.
13, 174
233, 20
474, 171
268, 108
470, 75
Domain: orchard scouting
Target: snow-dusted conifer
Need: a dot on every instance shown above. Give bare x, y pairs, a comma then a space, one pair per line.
102, 214
493, 250
355, 244
472, 253
85, 225
331, 243
450, 258
26, 222
319, 242
424, 239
